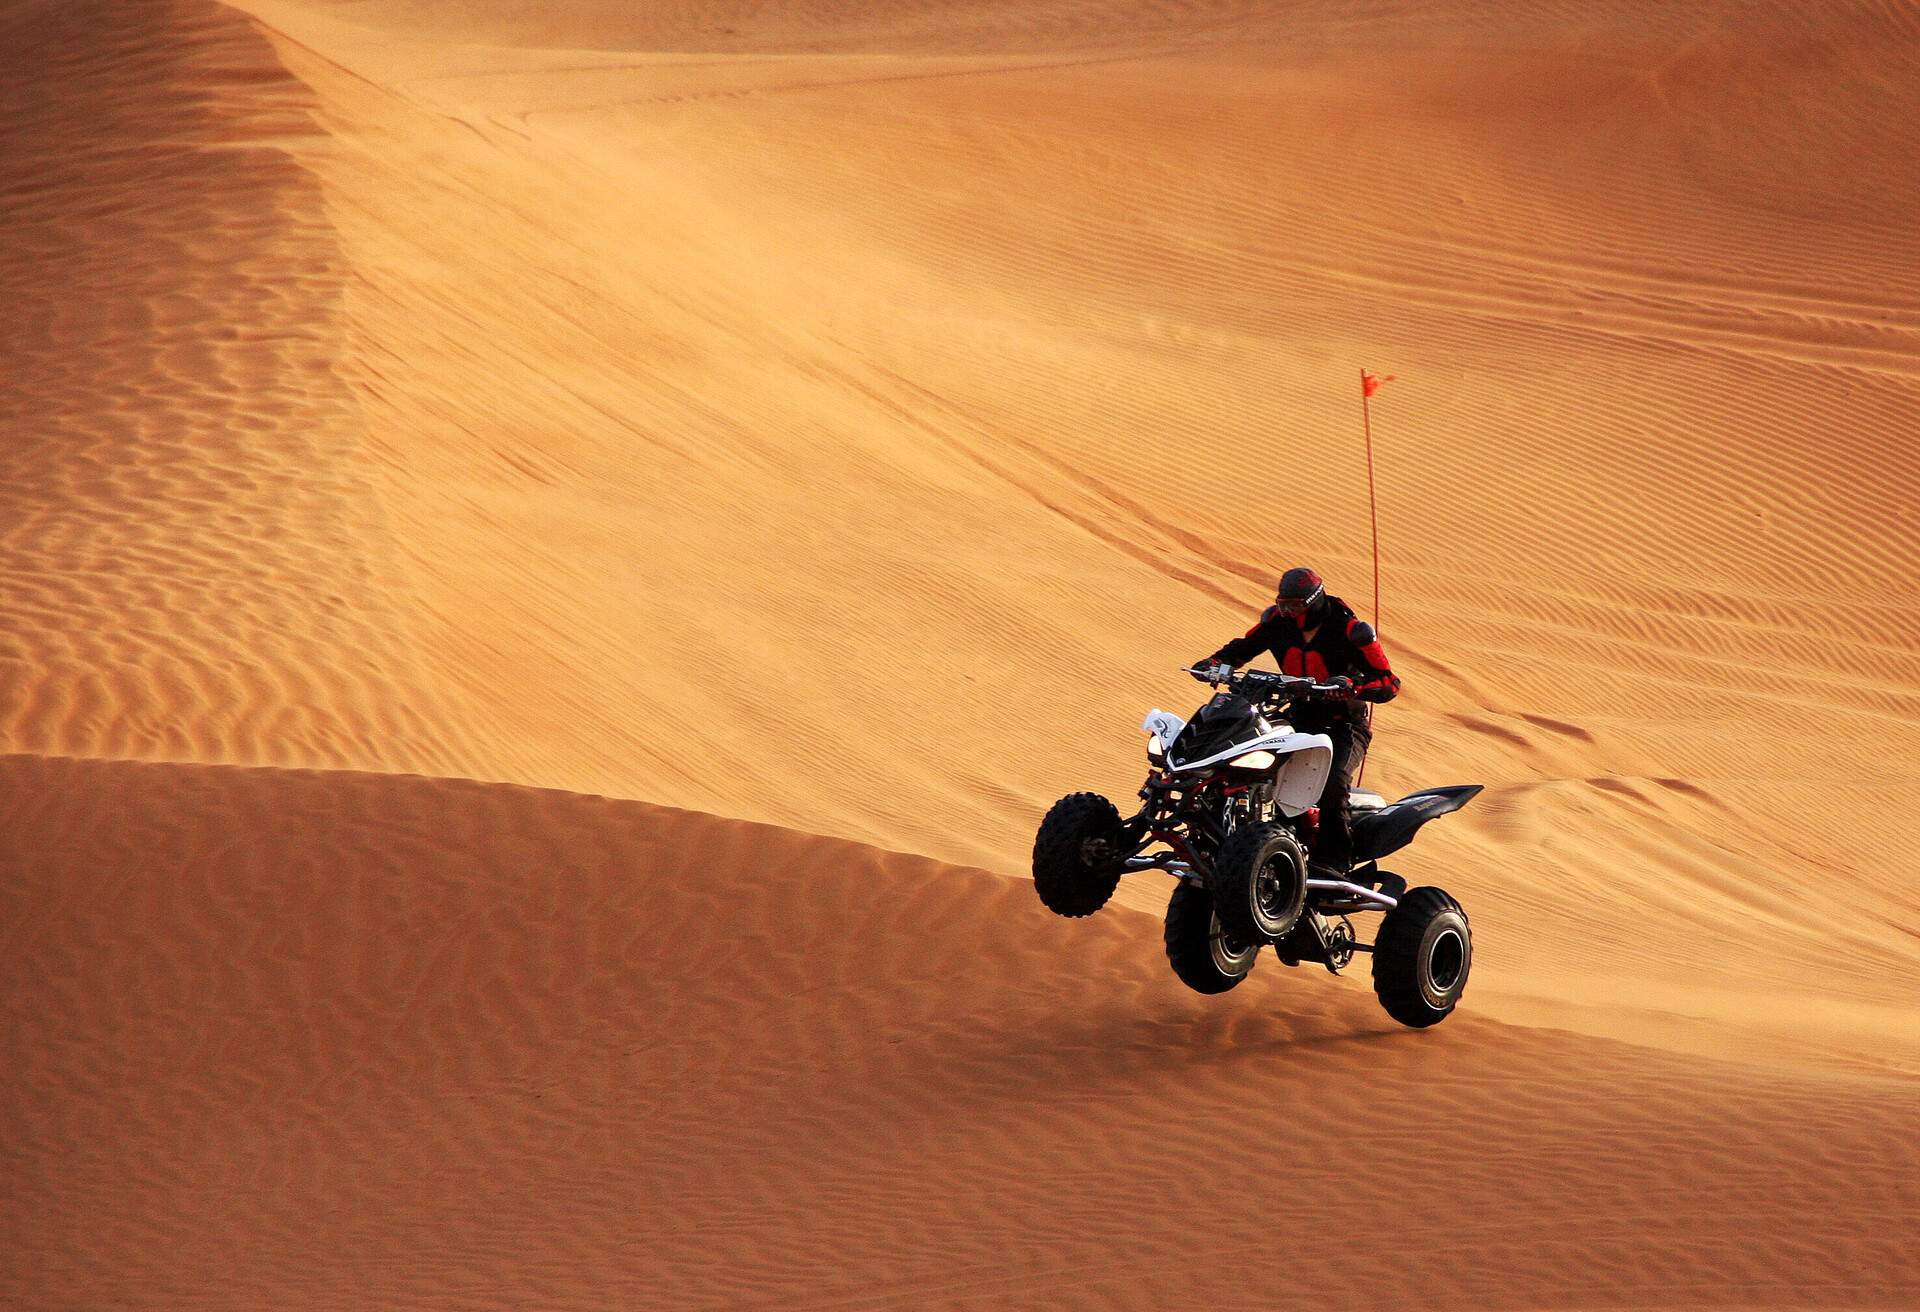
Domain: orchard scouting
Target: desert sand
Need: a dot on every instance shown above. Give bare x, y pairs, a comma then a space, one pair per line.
551, 558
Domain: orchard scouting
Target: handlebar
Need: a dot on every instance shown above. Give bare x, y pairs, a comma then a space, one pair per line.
1270, 685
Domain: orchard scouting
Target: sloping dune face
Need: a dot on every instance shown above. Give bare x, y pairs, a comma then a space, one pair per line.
849, 419
856, 418
191, 563
328, 1040
838, 421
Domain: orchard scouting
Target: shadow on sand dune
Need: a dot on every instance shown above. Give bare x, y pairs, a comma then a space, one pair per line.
259, 1018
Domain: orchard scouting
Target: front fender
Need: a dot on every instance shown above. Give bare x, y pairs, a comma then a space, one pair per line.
1164, 726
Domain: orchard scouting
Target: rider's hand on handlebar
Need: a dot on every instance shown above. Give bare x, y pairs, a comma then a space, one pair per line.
1339, 689
1212, 671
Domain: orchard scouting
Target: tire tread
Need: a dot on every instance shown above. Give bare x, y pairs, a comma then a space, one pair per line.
1064, 885
1189, 941
1233, 869
1396, 951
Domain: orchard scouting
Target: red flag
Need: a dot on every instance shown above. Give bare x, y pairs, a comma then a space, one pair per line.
1370, 383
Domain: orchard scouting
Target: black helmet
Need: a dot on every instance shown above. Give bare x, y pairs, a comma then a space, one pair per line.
1301, 596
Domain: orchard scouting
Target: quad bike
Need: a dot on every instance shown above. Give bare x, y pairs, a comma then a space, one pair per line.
1231, 796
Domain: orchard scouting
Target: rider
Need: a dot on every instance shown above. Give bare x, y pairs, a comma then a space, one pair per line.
1313, 634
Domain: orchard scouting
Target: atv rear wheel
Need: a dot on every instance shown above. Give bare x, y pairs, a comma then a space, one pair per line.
1421, 957
1259, 882
1201, 953
1078, 854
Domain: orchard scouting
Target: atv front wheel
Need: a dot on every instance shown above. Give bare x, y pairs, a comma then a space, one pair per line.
1202, 954
1259, 883
1421, 957
1078, 854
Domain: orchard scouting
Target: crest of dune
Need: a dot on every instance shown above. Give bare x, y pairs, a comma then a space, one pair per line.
551, 558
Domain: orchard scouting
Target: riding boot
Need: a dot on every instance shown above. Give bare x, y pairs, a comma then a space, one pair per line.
1332, 854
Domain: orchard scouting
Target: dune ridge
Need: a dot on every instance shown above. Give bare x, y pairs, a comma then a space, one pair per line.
314, 1039
194, 564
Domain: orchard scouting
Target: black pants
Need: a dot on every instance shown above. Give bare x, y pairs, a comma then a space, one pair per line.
1333, 842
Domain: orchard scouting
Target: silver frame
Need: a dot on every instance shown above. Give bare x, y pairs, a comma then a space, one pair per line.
1373, 899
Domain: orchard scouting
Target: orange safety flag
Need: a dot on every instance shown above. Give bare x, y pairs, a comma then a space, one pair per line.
1370, 383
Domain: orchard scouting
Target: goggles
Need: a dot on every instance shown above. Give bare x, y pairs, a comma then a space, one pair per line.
1296, 607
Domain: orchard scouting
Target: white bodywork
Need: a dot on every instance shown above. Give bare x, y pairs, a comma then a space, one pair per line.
1165, 726
1299, 778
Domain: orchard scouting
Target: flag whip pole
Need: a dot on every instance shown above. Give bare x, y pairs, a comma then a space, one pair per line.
1368, 383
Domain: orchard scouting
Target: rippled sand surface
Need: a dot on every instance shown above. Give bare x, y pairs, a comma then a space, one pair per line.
552, 557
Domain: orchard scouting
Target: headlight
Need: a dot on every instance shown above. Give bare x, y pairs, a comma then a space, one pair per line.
1153, 747
1253, 761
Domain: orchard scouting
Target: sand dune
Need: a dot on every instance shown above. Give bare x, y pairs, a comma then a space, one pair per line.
816, 434
302, 1039
837, 422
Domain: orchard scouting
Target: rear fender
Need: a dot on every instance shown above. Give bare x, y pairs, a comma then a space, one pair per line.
1392, 827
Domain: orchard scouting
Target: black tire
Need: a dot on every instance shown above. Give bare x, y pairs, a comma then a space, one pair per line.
1078, 854
1203, 955
1421, 958
1260, 883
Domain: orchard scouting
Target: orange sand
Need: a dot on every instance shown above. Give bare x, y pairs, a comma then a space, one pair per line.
844, 418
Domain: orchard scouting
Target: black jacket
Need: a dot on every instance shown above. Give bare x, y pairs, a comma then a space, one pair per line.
1342, 644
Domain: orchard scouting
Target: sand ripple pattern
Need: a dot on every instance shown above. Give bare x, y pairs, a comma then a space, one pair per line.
844, 417
969, 365
191, 561
310, 1040
848, 419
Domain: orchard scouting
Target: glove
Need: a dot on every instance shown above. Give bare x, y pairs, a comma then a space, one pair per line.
1342, 689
